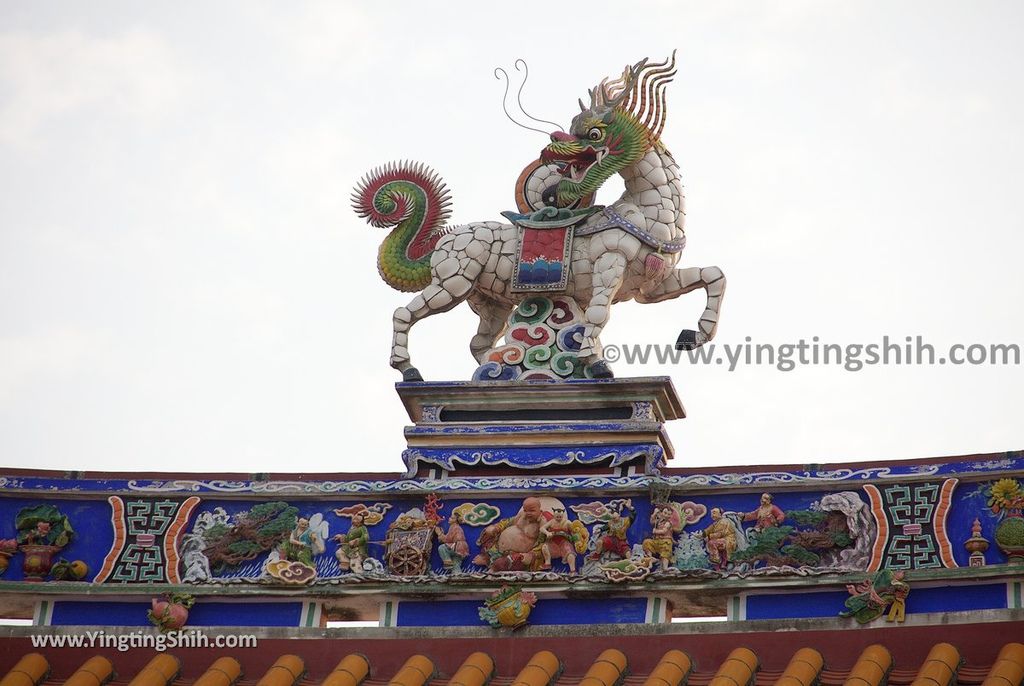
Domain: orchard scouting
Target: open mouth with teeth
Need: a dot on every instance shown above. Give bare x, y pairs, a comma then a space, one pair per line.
574, 166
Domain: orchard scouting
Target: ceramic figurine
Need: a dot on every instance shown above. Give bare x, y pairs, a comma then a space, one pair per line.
453, 547
627, 251
869, 599
666, 524
720, 539
304, 542
352, 546
900, 591
293, 562
766, 515
612, 541
563, 539
513, 544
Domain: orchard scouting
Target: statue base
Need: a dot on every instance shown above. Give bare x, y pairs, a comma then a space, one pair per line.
611, 426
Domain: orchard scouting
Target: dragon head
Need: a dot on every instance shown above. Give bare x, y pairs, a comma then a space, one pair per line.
624, 120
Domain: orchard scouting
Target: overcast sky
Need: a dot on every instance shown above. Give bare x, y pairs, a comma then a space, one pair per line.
183, 285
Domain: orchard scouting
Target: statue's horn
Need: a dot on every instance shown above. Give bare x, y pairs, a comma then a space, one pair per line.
583, 108
597, 96
629, 78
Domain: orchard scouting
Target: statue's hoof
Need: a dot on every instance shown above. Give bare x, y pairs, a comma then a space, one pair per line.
601, 370
411, 374
687, 340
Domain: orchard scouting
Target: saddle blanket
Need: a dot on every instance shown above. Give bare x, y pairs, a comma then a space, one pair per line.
542, 262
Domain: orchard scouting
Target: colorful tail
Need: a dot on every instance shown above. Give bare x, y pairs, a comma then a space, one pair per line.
414, 200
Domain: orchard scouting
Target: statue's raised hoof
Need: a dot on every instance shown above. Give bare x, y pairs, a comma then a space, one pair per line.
411, 374
601, 370
687, 340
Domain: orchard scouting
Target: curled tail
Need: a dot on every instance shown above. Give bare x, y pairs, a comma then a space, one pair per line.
415, 201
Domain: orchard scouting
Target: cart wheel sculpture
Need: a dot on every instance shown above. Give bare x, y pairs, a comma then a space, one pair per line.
407, 561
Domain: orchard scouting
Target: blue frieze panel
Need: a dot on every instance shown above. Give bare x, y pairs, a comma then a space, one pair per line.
206, 613
961, 598
548, 611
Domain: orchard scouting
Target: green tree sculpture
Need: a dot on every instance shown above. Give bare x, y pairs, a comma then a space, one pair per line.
252, 533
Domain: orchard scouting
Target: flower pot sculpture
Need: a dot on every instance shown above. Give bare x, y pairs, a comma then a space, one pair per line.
38, 561
508, 607
1006, 500
8, 547
42, 533
1010, 538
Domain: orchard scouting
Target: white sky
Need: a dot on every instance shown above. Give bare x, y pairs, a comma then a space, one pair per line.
184, 287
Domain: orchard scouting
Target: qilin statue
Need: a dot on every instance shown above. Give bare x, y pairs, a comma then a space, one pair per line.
627, 251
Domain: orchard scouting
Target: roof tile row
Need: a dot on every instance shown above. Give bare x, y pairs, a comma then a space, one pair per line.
874, 667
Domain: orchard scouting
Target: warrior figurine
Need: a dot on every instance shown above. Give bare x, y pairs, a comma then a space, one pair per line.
613, 541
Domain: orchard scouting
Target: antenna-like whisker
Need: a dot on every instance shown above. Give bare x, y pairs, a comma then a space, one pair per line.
498, 74
519, 96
